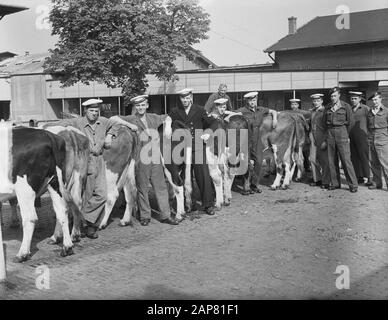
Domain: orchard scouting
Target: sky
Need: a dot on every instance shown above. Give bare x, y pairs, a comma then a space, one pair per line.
240, 30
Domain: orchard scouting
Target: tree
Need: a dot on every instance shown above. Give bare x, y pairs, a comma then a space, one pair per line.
119, 42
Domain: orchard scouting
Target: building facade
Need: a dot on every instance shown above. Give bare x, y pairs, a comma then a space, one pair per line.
314, 58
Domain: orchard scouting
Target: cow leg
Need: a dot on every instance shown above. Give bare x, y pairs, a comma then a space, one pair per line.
228, 181
288, 176
279, 169
216, 175
187, 183
178, 190
15, 222
26, 197
61, 211
76, 211
111, 197
57, 236
130, 193
278, 179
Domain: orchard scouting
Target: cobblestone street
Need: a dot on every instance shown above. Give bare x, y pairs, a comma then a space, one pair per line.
283, 244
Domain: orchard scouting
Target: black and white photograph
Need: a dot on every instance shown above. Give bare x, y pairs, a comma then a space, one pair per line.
193, 150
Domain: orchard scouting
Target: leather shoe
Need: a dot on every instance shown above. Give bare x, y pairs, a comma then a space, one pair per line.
316, 184
353, 189
256, 189
245, 192
374, 187
170, 221
91, 232
210, 211
368, 183
331, 188
145, 222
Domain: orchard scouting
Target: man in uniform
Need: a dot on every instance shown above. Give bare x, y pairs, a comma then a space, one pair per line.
359, 146
338, 119
99, 131
318, 157
146, 173
378, 140
222, 89
295, 104
255, 116
193, 115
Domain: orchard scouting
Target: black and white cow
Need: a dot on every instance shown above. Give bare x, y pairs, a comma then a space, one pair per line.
227, 148
32, 161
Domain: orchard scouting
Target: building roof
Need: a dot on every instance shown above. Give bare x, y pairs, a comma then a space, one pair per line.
198, 54
25, 64
33, 63
365, 26
6, 55
8, 9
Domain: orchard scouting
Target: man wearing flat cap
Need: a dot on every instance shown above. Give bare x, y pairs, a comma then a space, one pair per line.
99, 131
318, 157
221, 94
193, 116
150, 172
378, 140
255, 115
338, 119
359, 146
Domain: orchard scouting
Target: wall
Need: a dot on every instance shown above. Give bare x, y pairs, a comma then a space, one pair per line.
371, 55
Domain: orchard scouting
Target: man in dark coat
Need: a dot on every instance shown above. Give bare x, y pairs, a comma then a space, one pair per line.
359, 146
318, 158
192, 116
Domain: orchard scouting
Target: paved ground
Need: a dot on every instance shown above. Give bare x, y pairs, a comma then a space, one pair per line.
283, 244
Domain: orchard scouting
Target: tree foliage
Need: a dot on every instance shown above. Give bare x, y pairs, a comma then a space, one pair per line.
119, 42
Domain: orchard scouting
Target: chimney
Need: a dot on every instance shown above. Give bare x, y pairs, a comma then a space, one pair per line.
291, 25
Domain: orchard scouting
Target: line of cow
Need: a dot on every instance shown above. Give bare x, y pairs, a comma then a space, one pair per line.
55, 159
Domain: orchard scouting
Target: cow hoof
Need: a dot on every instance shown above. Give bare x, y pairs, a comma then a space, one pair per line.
54, 241
285, 187
273, 188
125, 223
76, 238
66, 251
226, 204
102, 227
218, 208
298, 180
22, 258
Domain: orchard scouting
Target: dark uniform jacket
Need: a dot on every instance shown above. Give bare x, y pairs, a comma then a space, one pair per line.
378, 126
194, 120
255, 119
318, 126
360, 126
